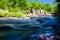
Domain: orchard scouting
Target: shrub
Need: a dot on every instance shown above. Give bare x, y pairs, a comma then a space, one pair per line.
12, 14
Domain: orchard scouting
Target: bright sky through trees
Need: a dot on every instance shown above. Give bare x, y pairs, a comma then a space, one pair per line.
44, 1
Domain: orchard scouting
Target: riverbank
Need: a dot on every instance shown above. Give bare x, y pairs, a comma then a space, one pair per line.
25, 17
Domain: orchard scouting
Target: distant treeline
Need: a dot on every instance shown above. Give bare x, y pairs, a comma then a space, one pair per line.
16, 5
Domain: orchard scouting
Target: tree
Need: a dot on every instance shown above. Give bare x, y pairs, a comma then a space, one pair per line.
15, 5
3, 4
49, 8
57, 12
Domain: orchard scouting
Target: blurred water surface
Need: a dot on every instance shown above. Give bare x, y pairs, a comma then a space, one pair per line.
24, 28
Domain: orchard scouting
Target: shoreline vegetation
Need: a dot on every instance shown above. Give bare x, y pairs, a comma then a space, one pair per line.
23, 8
34, 13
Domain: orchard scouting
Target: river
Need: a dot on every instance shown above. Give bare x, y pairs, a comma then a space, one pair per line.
23, 29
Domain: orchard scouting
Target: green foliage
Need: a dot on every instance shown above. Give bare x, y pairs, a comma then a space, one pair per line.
58, 5
7, 4
57, 10
38, 5
3, 4
2, 14
49, 8
15, 5
19, 5
12, 14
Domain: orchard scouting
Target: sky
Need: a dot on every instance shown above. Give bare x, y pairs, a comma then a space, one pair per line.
44, 1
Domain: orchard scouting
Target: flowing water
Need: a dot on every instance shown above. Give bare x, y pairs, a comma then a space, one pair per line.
25, 29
